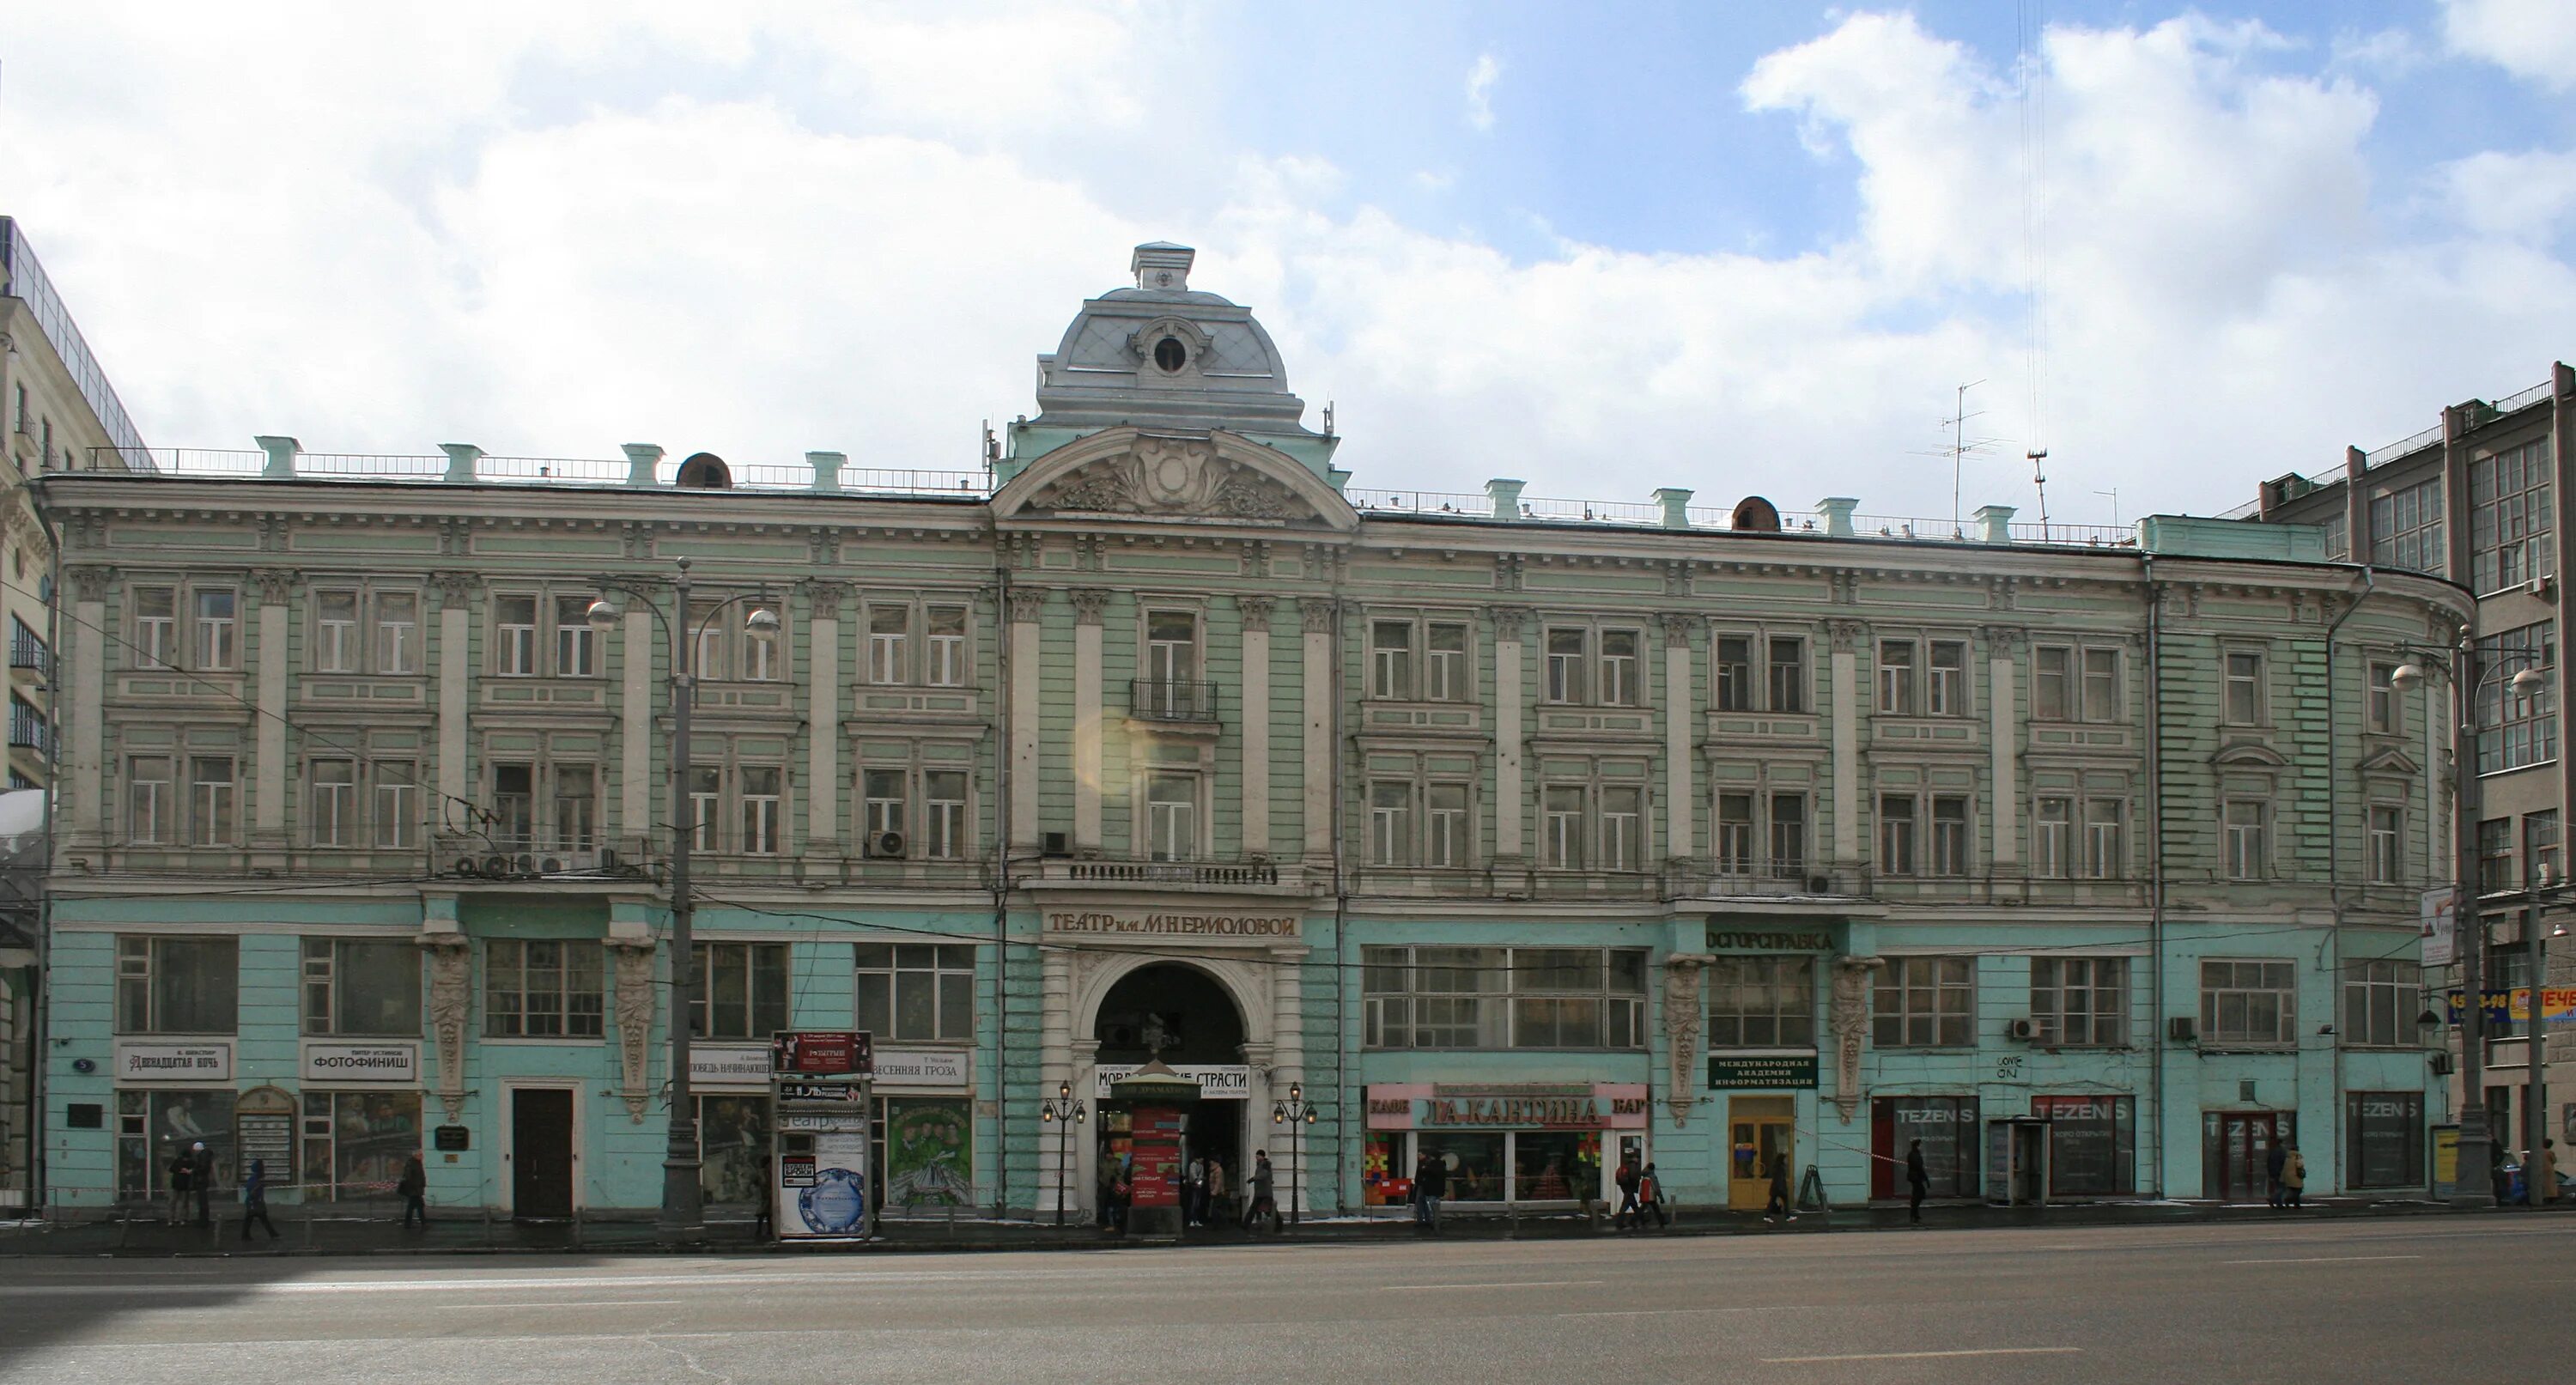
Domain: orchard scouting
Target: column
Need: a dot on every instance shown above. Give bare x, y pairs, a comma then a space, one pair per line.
1288, 1065
268, 817
83, 713
635, 729
2003, 698
823, 711
1843, 690
455, 598
1680, 702
1318, 612
1087, 606
1027, 606
1055, 1068
1255, 611
1509, 843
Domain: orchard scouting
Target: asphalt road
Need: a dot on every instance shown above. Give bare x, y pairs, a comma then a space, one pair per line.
2327, 1301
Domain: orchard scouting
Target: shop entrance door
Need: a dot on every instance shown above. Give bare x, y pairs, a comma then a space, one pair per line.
1760, 1129
2240, 1143
540, 1152
1214, 1130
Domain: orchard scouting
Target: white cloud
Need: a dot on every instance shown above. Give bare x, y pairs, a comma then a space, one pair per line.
2533, 39
2526, 196
1480, 90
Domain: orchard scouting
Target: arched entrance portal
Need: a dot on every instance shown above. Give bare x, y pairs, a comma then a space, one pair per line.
1185, 1017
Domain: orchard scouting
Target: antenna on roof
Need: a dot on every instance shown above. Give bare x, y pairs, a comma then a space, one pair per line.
2039, 478
1961, 448
1328, 418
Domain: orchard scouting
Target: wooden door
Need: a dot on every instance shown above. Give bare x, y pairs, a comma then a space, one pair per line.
541, 1152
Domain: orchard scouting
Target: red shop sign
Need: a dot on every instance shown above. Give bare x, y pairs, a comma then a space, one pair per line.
819, 1052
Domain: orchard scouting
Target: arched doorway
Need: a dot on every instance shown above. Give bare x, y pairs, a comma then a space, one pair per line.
1187, 1018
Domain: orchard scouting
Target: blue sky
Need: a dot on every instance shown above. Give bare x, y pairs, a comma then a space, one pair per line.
1604, 248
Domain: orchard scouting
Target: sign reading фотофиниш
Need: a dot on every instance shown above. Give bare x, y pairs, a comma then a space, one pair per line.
335, 1062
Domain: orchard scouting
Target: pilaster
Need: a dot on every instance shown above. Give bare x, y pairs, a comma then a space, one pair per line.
268, 816
1026, 609
1255, 613
1842, 693
2003, 697
823, 703
85, 710
1509, 840
1318, 614
635, 729
455, 616
1680, 796
1087, 605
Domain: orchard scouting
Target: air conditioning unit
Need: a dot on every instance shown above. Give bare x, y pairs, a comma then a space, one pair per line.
2441, 1065
2544, 586
1820, 884
2021, 1030
2183, 1029
576, 862
886, 846
1055, 844
468, 867
497, 868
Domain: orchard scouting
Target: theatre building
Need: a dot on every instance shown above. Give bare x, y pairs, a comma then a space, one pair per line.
1529, 835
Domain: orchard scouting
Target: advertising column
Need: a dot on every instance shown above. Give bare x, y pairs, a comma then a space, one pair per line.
820, 1080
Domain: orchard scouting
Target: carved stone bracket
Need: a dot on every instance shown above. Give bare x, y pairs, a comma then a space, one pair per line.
1848, 634
1318, 612
1849, 1020
455, 588
1255, 611
1509, 622
451, 1000
1088, 603
1684, 1018
634, 968
1028, 605
89, 581
1677, 627
276, 587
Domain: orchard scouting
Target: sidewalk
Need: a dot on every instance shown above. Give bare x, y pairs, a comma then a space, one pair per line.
339, 1235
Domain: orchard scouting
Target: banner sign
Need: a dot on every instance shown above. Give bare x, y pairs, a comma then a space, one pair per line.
728, 1065
1170, 923
944, 1068
818, 1052
837, 1092
1217, 1081
2439, 913
203, 1061
361, 1062
1507, 1106
1761, 1071
1729, 938
2557, 1005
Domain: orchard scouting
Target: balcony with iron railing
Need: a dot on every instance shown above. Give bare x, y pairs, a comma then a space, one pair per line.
1172, 700
29, 660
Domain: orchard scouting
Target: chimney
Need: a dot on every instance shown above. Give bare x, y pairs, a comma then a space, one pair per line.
1162, 267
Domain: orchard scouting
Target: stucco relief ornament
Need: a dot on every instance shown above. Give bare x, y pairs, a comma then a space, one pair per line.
1105, 487
1684, 1019
1850, 1020
634, 1021
1174, 474
451, 974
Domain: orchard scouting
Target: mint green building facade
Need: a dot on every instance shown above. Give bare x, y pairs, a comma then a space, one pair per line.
1519, 837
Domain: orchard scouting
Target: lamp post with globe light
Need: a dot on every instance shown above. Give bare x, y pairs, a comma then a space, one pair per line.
683, 1215
1064, 1113
1294, 1112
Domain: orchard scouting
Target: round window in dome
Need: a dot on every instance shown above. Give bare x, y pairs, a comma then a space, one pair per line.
1171, 355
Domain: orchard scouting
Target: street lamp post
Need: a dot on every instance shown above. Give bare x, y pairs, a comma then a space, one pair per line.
1292, 1113
1064, 1113
2471, 1162
683, 1215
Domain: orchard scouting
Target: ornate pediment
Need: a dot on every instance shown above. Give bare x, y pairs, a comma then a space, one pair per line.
2249, 755
1129, 472
2390, 761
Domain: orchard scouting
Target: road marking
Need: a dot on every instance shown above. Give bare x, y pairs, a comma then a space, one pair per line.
1925, 1355
1500, 1284
2325, 1260
558, 1303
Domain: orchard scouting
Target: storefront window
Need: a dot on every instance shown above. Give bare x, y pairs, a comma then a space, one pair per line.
1386, 1175
733, 1149
2385, 1134
925, 1152
1475, 1163
151, 1129
1545, 1164
356, 1143
2092, 1149
1947, 1126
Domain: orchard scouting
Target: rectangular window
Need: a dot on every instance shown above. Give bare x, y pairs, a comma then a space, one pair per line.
2244, 688
706, 806
1896, 834
156, 627
1735, 834
147, 799
576, 644
2248, 855
1391, 659
947, 650
1446, 675
211, 798
760, 659
362, 987
711, 630
1789, 835
917, 991
2092, 1144
760, 809
1172, 652
2540, 863
1925, 1002
1734, 689
1391, 823
2338, 539
1949, 680
1578, 997
2380, 1002
2406, 528
514, 627
2495, 855
576, 825
514, 806
1762, 1002
1561, 820
355, 1144
1946, 1127
2106, 852
177, 985
1492, 997
335, 632
2052, 827
943, 815
2080, 1002
2101, 685
741, 991
1949, 835
2517, 726
2384, 1135
1623, 828
2382, 714
147, 1125
2253, 1003
888, 629
1172, 816
1621, 685
1444, 827
1896, 677
334, 803
2052, 682
397, 632
882, 799
397, 803
1567, 665
2509, 517
2386, 856
218, 630
1788, 674
543, 988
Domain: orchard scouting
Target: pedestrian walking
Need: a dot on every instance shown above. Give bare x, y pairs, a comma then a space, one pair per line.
1215, 1191
254, 1196
2274, 1160
1430, 1184
1107, 1199
764, 1222
1194, 1193
1121, 1193
2294, 1177
1262, 1202
414, 1187
201, 1176
1650, 1198
1630, 1213
183, 1179
1918, 1182
2495, 1171
2548, 1184
1779, 1204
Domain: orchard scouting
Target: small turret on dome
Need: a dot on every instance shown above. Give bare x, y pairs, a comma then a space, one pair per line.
1162, 267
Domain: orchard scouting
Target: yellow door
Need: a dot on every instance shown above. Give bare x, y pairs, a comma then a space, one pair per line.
1759, 1129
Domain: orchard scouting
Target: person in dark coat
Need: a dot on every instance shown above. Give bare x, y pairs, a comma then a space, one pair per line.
1430, 1184
1918, 1182
1779, 1204
183, 1179
201, 1176
1650, 1198
255, 1200
1263, 1200
414, 1187
2276, 1159
1630, 1212
2495, 1170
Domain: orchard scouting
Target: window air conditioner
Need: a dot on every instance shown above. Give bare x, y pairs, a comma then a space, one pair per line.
2544, 586
1055, 844
2021, 1030
886, 845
